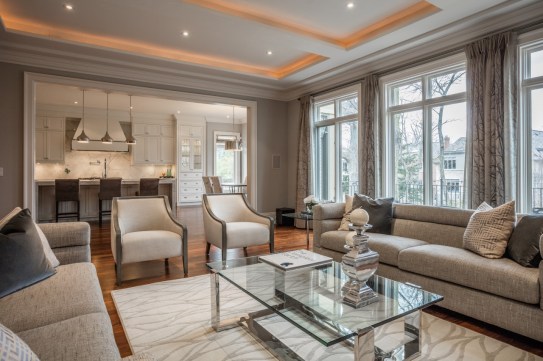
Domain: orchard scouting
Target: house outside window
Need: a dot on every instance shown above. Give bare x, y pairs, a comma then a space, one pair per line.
530, 162
335, 150
425, 133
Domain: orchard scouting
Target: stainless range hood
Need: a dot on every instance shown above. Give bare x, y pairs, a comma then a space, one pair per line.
95, 129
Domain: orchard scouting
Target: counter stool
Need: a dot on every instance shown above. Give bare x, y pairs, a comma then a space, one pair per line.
149, 186
66, 190
216, 184
109, 188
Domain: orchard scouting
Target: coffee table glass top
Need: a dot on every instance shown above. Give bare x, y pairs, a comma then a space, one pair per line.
310, 298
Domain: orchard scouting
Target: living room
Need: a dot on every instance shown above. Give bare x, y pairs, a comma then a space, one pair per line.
338, 99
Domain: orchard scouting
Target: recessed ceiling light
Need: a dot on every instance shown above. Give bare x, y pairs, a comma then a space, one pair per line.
131, 107
269, 52
76, 102
350, 5
179, 112
185, 34
228, 117
68, 7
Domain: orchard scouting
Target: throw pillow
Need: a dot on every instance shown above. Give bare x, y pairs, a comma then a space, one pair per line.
12, 348
523, 246
379, 210
45, 243
489, 229
344, 226
22, 258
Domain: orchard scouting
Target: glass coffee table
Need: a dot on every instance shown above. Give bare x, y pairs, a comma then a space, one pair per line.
310, 299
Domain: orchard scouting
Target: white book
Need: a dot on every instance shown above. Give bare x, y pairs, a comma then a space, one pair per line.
295, 259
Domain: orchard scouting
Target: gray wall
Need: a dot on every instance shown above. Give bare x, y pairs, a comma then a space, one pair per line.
271, 139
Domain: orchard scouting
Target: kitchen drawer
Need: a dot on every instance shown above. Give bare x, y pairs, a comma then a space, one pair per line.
188, 198
191, 183
193, 190
190, 175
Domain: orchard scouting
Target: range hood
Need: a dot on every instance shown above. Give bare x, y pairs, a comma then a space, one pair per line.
95, 129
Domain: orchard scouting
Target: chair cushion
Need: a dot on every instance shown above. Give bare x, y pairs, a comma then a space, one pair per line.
149, 245
84, 338
502, 277
74, 290
243, 234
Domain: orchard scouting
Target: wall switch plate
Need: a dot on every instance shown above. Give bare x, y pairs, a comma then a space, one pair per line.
1, 171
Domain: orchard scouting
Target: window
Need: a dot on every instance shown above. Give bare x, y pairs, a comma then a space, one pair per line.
335, 152
226, 163
426, 134
530, 185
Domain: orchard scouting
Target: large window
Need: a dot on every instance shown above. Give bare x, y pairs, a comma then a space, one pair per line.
226, 162
335, 119
531, 131
426, 135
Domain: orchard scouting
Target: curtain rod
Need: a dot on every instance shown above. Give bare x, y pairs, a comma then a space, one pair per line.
449, 52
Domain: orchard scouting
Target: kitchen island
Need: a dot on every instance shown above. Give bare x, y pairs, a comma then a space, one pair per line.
88, 195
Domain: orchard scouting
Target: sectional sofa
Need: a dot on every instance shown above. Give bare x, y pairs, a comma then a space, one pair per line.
425, 248
64, 317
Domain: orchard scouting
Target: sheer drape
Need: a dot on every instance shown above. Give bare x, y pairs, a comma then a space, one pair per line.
491, 116
369, 145
303, 171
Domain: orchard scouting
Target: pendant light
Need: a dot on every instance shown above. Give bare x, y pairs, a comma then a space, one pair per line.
106, 138
233, 145
82, 138
130, 138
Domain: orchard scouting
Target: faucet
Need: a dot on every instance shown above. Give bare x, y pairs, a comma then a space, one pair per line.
105, 168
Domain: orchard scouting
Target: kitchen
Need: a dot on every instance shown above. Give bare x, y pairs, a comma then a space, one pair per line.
144, 134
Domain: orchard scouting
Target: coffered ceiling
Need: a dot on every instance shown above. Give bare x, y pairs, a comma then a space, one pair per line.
279, 42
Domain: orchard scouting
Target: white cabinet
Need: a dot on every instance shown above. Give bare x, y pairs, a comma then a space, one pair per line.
191, 163
155, 143
49, 139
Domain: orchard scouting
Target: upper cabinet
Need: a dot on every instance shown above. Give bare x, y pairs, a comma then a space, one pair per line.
191, 155
50, 139
155, 142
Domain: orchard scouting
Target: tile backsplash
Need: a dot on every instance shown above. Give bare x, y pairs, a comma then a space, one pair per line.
83, 164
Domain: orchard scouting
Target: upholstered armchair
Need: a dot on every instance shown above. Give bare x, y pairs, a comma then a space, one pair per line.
143, 229
229, 222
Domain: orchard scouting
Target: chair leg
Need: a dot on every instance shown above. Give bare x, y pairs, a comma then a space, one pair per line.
185, 264
245, 251
100, 212
56, 211
224, 250
271, 247
119, 274
208, 248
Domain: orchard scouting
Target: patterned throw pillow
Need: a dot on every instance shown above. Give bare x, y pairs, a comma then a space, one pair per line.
344, 226
489, 229
12, 348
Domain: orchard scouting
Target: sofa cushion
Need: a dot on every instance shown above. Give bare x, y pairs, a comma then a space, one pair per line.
243, 234
379, 210
335, 240
12, 348
22, 257
148, 245
86, 337
502, 277
523, 246
489, 229
74, 290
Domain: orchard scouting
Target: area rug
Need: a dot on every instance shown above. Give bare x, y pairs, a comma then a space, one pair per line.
171, 320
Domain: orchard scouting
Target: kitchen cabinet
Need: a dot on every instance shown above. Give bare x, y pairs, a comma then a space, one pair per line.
190, 163
50, 123
155, 143
49, 146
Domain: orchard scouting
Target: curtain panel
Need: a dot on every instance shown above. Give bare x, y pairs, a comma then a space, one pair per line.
303, 170
369, 136
491, 117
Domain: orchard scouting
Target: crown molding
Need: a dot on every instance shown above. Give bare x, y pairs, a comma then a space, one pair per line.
447, 38
68, 61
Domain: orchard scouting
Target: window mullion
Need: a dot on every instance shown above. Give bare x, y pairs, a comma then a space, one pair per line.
427, 142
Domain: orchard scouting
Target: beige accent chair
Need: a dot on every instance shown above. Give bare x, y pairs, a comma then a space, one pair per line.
143, 229
229, 222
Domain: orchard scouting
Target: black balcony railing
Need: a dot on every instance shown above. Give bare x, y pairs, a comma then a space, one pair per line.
446, 195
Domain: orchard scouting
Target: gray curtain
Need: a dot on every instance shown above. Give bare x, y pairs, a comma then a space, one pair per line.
491, 120
368, 143
303, 170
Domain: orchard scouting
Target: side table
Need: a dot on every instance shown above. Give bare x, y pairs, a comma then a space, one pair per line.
306, 217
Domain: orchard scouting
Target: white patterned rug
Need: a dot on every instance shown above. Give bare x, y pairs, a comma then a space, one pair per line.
171, 320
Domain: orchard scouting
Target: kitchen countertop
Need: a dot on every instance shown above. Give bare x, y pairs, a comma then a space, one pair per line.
92, 182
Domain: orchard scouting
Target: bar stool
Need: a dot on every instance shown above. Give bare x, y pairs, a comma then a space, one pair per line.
216, 184
207, 185
149, 186
66, 190
109, 188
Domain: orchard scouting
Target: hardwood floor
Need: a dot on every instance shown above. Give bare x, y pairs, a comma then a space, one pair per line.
286, 238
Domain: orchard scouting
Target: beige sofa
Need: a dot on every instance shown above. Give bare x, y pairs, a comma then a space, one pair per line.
64, 317
425, 248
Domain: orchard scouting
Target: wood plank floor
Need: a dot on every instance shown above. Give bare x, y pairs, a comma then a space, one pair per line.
286, 238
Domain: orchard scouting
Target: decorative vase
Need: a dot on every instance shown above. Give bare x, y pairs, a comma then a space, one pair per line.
359, 264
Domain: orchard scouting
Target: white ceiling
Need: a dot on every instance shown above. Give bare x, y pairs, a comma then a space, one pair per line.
307, 37
66, 96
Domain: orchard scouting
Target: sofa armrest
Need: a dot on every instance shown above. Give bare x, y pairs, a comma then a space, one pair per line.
326, 217
70, 241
